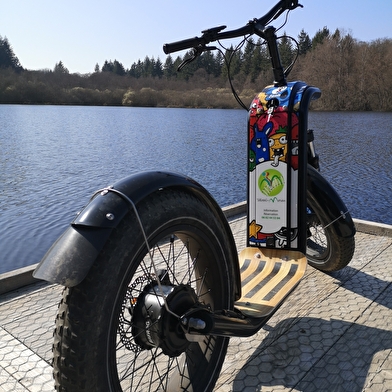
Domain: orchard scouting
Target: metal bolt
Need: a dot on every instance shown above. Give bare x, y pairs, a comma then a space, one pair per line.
110, 216
196, 323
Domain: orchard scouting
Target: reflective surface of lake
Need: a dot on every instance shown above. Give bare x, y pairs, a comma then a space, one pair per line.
54, 157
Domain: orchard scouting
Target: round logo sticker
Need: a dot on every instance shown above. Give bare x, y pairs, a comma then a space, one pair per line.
271, 182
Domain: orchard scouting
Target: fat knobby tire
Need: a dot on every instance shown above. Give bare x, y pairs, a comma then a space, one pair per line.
86, 335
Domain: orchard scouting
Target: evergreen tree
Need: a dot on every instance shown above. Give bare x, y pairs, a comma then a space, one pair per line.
118, 68
96, 68
247, 57
260, 60
158, 68
286, 51
236, 62
132, 71
304, 42
176, 64
320, 36
218, 63
108, 66
60, 68
336, 35
7, 56
208, 62
148, 66
168, 68
234, 58
266, 58
136, 69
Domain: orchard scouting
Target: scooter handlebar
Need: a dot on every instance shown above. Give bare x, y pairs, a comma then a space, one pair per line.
214, 34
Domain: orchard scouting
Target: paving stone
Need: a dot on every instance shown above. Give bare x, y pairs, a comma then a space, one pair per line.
333, 334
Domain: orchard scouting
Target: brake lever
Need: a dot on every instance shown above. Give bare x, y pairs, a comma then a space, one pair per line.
196, 52
185, 62
292, 7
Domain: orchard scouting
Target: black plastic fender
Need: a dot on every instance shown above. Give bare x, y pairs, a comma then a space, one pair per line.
334, 208
70, 258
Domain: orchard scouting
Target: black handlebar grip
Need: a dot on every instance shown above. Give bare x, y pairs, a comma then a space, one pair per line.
182, 45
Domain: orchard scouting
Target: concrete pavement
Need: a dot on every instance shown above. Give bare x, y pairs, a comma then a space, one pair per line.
333, 334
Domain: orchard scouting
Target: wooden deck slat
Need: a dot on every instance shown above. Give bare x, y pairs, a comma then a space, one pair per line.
268, 276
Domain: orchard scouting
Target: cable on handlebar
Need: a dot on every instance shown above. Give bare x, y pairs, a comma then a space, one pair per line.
228, 64
291, 65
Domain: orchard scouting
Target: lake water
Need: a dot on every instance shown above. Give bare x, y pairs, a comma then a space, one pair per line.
54, 157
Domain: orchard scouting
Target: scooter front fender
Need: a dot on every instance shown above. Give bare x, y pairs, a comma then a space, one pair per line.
70, 258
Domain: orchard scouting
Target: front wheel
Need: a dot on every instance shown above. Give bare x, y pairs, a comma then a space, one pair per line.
119, 329
325, 249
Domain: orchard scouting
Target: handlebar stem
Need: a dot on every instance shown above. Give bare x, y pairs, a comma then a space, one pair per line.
269, 35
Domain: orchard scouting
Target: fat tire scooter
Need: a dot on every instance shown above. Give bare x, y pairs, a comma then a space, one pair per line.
154, 285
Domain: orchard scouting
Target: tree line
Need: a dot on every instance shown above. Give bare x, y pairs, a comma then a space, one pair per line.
352, 75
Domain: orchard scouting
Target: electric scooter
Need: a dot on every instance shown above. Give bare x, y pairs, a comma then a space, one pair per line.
154, 285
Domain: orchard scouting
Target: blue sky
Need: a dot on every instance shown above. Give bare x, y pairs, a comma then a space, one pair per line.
82, 33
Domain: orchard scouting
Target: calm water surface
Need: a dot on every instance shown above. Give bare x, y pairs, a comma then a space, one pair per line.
54, 157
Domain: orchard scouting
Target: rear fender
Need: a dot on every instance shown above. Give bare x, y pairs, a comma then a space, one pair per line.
70, 258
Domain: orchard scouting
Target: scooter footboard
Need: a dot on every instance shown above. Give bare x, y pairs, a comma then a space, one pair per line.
268, 276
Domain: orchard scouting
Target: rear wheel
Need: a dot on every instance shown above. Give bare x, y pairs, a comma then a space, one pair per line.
114, 332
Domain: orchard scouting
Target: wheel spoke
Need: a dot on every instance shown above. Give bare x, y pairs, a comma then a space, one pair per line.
317, 242
158, 370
